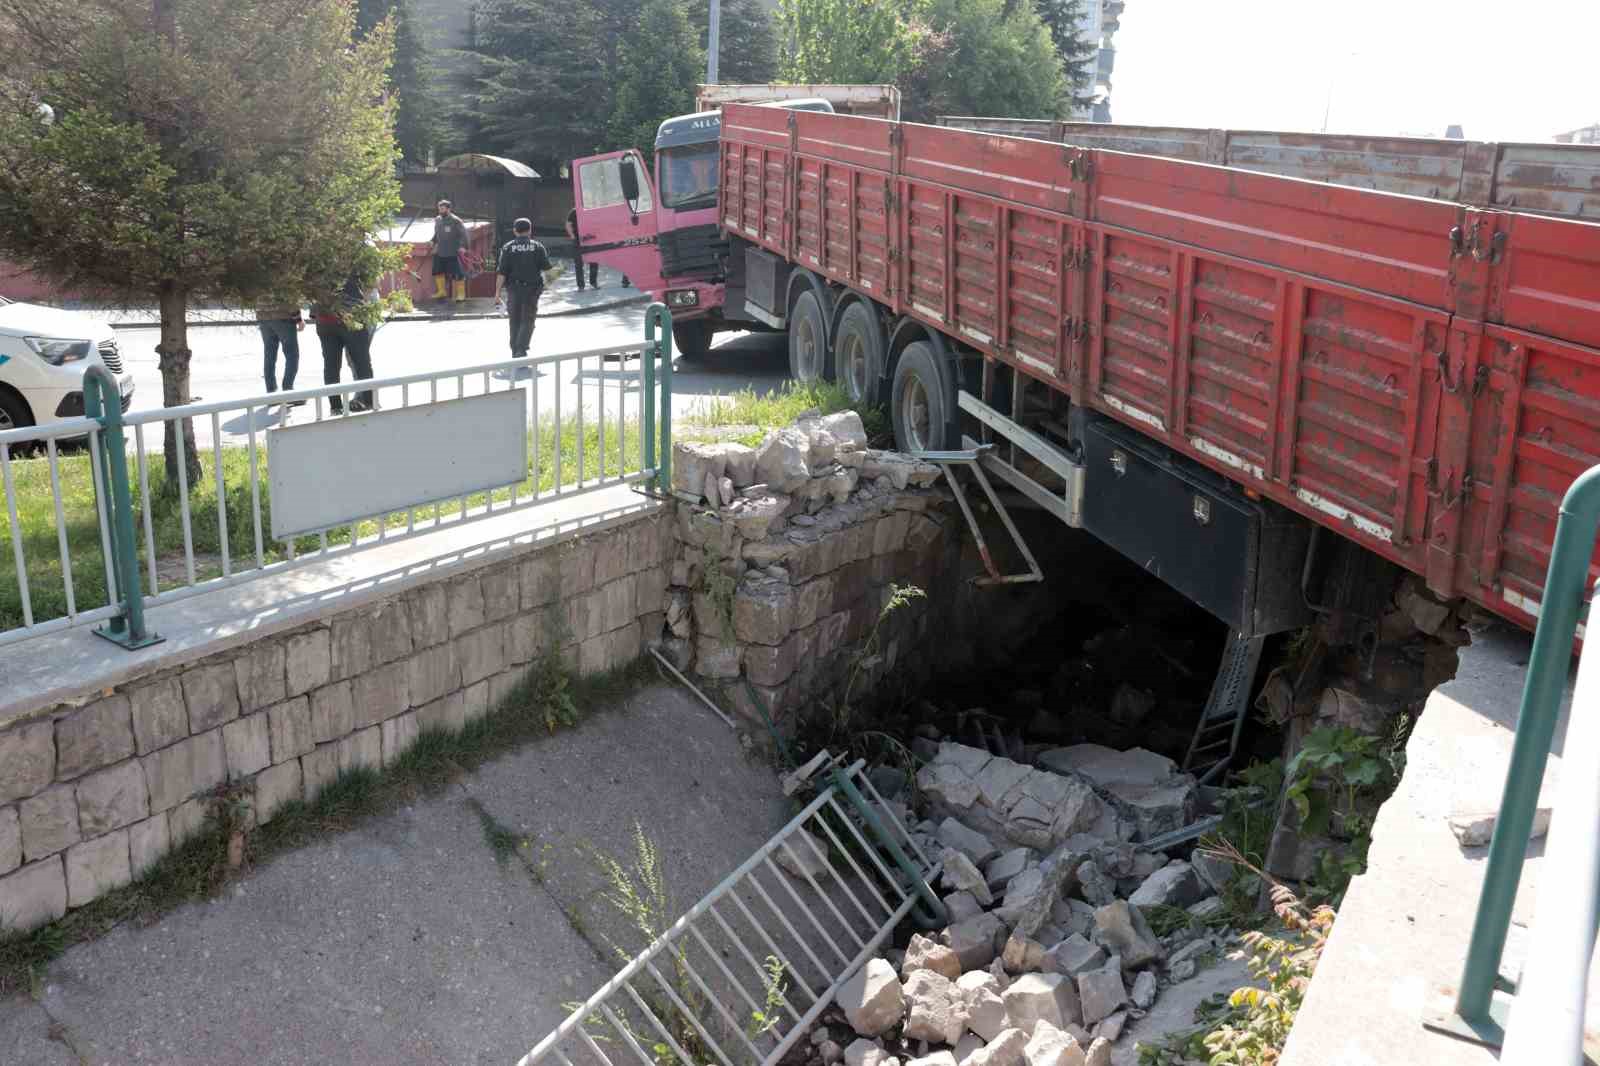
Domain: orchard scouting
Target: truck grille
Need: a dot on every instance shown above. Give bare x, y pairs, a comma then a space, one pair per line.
692, 252
110, 356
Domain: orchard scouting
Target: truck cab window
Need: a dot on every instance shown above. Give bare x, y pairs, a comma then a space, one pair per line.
601, 184
688, 176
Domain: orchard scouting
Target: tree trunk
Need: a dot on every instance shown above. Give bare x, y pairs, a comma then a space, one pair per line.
174, 362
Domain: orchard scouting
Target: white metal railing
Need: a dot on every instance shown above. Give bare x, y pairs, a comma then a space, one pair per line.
588, 413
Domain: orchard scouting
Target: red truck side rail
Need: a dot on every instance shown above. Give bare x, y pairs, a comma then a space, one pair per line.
1420, 376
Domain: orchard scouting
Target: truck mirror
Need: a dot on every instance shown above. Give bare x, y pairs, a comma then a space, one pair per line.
630, 181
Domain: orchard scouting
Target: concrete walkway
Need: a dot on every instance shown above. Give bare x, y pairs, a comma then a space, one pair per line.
403, 941
1401, 936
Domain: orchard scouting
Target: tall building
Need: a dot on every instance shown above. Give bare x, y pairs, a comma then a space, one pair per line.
1101, 19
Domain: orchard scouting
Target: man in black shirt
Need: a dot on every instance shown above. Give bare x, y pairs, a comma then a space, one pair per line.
520, 277
577, 253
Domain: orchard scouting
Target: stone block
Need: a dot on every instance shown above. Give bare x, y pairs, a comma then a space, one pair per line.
1050, 1046
539, 579
96, 867
350, 646
27, 760
109, 800
260, 676
1122, 929
763, 611
1007, 1049
10, 840
445, 715
49, 822
307, 662
275, 786
622, 602
333, 712
481, 654
503, 686
611, 557
1101, 992
432, 673
986, 1011
475, 700
1037, 997
247, 745
33, 896
626, 644
399, 734
594, 655
188, 819
159, 718
291, 729
502, 595
465, 604
871, 999
319, 768
94, 736
381, 693
1174, 885
1074, 955
576, 567
526, 637
390, 632
212, 696
428, 615
188, 767
652, 591
586, 615
714, 658
976, 941
771, 665
148, 843
362, 750
812, 600
923, 953
935, 1009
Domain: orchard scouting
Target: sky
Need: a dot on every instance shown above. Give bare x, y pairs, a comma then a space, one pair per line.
1505, 70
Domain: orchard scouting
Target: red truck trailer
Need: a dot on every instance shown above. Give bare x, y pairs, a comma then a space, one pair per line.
1204, 366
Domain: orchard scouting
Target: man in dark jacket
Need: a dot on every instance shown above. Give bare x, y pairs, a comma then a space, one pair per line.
449, 237
339, 337
577, 253
520, 277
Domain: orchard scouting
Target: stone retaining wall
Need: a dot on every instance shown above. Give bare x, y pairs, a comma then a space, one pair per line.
93, 794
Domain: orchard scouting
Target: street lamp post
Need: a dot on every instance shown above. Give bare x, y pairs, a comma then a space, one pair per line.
712, 34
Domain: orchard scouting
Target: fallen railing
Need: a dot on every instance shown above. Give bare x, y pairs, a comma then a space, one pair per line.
1540, 1020
440, 449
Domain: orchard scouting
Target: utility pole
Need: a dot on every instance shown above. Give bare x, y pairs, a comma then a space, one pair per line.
713, 31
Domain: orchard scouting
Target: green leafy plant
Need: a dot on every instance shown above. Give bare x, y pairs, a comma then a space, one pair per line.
1334, 784
1249, 808
767, 1019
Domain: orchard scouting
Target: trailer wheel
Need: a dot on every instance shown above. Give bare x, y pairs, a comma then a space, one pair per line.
858, 354
920, 405
808, 340
692, 339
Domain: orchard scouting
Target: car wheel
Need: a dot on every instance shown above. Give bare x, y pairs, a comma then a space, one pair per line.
920, 401
808, 340
858, 354
692, 339
14, 412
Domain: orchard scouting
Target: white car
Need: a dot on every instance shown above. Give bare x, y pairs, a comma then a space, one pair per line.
43, 354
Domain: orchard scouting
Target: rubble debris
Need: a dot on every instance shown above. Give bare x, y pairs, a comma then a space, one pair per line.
1022, 954
1144, 989
1008, 864
1476, 830
1041, 997
960, 874
1174, 885
1101, 991
1050, 1046
935, 1009
971, 843
830, 1051
1100, 1051
1074, 956
1146, 785
864, 1052
969, 1045
976, 941
1122, 929
1005, 800
872, 999
1004, 1050
925, 954
986, 1011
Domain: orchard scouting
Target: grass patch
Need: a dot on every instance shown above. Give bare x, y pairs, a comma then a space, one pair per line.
39, 526
779, 408
547, 700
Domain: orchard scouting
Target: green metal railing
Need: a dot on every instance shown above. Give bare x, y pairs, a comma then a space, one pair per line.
658, 345
1478, 1013
102, 402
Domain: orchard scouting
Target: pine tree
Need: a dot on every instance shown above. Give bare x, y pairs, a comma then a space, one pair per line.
1078, 56
417, 119
749, 51
659, 64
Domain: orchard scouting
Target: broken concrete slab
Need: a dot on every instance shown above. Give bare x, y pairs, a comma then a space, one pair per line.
1008, 864
976, 941
959, 906
1150, 787
1101, 991
935, 1009
1006, 800
969, 842
1174, 885
872, 999
1039, 997
1073, 956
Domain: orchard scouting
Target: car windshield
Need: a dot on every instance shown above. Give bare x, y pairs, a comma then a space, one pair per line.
688, 175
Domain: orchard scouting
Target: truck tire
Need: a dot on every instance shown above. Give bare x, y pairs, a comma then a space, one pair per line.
858, 354
808, 341
921, 401
692, 339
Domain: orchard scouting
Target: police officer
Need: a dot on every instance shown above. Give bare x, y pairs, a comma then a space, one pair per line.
520, 281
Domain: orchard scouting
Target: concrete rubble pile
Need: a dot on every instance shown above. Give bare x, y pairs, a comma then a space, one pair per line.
1048, 955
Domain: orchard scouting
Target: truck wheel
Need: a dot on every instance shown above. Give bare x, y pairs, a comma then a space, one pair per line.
920, 404
858, 354
692, 339
808, 340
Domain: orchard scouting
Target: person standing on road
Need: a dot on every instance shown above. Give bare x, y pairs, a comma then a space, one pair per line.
280, 325
449, 237
519, 281
577, 253
341, 336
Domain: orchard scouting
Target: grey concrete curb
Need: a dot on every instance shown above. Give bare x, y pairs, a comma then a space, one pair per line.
414, 317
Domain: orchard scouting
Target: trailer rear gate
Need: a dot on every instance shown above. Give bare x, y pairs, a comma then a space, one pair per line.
1420, 376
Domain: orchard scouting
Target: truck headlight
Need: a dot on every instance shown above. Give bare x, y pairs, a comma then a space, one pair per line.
683, 297
56, 351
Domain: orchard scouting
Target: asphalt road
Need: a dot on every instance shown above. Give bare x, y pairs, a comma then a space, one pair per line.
227, 365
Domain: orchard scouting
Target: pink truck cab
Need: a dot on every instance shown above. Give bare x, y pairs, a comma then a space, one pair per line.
661, 231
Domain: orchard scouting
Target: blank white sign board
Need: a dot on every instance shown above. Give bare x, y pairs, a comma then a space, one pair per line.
330, 473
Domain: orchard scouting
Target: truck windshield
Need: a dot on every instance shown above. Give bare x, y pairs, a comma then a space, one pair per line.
687, 176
